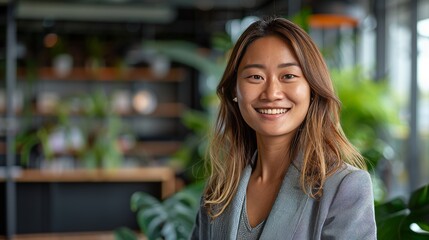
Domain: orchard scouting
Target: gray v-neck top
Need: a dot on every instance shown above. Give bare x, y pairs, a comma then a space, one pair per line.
245, 231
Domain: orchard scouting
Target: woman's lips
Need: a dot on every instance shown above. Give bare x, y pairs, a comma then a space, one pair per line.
272, 111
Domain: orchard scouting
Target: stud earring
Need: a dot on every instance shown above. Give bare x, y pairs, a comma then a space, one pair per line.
235, 99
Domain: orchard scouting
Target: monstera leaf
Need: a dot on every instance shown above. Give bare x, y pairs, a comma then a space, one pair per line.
398, 220
172, 218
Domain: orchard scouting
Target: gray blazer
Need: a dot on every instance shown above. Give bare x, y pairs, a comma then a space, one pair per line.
346, 210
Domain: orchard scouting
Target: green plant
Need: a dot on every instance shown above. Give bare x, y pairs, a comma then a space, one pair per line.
102, 129
172, 218
367, 112
191, 154
399, 220
124, 233
99, 130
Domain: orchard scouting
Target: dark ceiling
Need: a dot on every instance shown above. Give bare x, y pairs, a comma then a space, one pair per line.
158, 19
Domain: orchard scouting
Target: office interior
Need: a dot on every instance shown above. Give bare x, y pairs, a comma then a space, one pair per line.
100, 99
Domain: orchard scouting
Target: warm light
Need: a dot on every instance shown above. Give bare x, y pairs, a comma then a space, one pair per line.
50, 40
332, 21
144, 102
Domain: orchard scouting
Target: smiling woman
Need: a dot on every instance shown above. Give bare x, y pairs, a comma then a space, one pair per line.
272, 92
281, 165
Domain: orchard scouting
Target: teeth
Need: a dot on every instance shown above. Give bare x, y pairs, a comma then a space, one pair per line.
272, 111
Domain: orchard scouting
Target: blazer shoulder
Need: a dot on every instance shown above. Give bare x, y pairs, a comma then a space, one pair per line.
350, 177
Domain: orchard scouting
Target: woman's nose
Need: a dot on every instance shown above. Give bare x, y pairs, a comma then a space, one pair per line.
273, 90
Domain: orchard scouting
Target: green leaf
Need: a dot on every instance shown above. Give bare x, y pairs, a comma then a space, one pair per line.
390, 228
171, 219
124, 233
141, 200
424, 226
150, 226
302, 18
386, 209
169, 231
27, 146
222, 41
155, 226
154, 211
419, 198
414, 234
183, 230
419, 206
186, 213
196, 120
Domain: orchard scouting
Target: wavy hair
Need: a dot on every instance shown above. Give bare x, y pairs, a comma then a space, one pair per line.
321, 141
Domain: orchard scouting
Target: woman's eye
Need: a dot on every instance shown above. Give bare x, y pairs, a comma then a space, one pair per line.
289, 76
256, 77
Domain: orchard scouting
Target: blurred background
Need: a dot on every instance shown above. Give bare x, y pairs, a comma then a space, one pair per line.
105, 104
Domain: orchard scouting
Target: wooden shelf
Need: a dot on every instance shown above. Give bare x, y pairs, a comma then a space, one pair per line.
107, 74
163, 110
155, 148
165, 175
169, 110
144, 148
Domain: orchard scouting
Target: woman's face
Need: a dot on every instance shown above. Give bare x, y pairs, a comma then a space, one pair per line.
273, 94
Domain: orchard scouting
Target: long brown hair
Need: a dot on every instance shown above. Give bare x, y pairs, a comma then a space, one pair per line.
321, 140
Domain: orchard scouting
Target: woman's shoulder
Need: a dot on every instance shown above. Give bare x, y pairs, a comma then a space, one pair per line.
349, 177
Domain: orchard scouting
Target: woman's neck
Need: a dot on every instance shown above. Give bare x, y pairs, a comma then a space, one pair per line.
273, 158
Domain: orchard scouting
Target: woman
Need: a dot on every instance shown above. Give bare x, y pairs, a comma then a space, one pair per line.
281, 165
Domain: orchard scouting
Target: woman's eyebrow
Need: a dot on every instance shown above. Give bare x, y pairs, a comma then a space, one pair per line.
261, 66
254, 66
284, 65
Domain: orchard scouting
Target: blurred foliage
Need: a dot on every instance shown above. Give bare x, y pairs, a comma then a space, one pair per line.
399, 220
124, 233
190, 157
99, 131
101, 148
191, 154
170, 219
302, 18
366, 114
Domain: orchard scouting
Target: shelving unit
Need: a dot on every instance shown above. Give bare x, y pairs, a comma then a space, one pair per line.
158, 133
46, 191
51, 202
107, 74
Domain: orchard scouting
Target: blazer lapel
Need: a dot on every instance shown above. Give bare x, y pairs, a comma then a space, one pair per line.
226, 225
287, 210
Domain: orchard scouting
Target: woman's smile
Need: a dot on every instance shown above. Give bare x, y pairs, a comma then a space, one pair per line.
272, 111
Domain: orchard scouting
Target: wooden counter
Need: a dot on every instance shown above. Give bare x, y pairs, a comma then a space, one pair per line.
164, 175
81, 200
